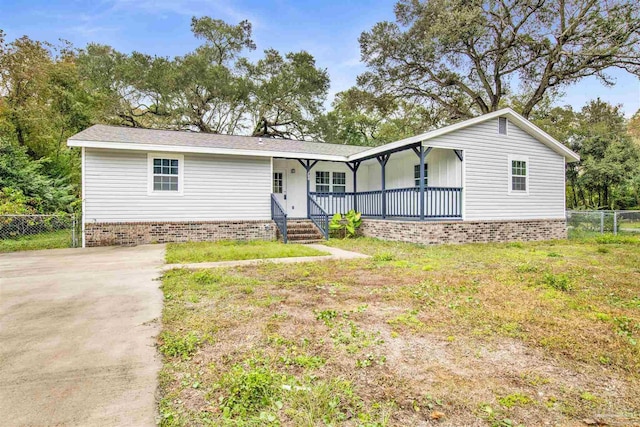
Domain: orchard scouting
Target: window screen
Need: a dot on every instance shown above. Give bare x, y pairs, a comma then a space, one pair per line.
165, 174
322, 182
277, 182
518, 175
416, 175
339, 182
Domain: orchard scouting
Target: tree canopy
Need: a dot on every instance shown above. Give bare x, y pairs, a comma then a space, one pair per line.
214, 89
473, 57
608, 174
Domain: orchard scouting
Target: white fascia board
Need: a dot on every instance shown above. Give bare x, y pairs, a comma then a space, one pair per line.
201, 150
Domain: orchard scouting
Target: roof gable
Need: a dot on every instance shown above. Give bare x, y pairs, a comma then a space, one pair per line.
515, 118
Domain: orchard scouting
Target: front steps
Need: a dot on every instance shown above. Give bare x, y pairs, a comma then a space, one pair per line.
302, 231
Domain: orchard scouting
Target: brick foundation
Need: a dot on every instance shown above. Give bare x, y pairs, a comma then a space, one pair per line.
437, 232
138, 233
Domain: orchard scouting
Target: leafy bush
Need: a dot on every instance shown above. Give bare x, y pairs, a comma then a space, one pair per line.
25, 186
346, 225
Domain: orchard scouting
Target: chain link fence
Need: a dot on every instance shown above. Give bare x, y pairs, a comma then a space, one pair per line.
40, 231
582, 223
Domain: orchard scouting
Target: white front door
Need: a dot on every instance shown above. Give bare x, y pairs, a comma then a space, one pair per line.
280, 188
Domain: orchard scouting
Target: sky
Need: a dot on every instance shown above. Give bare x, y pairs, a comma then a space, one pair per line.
328, 29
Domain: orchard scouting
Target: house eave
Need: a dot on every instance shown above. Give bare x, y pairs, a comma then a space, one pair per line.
423, 139
201, 150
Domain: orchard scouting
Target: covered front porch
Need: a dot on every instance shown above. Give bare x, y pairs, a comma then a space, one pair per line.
408, 182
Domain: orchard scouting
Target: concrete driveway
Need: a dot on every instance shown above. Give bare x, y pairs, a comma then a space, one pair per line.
77, 330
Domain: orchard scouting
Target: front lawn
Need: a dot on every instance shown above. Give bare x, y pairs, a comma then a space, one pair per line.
230, 250
51, 240
532, 334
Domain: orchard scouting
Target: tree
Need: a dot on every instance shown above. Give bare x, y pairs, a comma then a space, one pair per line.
43, 102
606, 176
634, 127
133, 90
359, 117
287, 94
24, 72
212, 93
25, 187
213, 89
473, 57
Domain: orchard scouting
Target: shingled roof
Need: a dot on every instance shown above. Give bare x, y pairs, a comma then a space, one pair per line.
120, 134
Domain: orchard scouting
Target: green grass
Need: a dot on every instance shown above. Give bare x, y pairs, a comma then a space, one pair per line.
234, 250
630, 225
52, 240
479, 334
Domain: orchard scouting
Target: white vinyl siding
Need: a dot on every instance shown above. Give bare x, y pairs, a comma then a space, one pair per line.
487, 176
214, 187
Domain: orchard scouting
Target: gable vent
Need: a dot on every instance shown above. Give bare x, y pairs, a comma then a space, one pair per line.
502, 125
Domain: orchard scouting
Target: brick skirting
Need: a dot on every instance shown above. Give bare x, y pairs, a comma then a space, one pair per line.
138, 233
436, 232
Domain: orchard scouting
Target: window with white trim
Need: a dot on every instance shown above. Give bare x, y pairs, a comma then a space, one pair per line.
277, 182
166, 174
323, 182
519, 175
416, 175
339, 182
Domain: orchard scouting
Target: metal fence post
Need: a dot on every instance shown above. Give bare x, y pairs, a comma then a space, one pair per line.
74, 243
615, 223
602, 222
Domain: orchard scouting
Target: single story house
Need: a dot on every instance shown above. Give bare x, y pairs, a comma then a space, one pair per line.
495, 177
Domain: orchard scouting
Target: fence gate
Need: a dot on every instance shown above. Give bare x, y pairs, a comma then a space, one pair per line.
60, 230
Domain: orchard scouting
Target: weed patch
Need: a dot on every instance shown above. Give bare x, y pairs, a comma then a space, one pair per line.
176, 345
559, 282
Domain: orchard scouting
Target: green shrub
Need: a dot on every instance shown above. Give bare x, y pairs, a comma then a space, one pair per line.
346, 225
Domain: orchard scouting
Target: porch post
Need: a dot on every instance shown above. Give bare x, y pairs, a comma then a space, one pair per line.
308, 171
421, 182
307, 165
354, 169
460, 155
422, 154
383, 163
